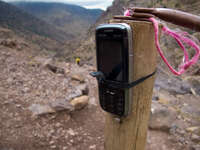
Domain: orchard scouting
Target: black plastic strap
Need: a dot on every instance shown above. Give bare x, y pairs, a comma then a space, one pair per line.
119, 85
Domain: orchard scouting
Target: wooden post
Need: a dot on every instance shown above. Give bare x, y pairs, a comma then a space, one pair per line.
131, 133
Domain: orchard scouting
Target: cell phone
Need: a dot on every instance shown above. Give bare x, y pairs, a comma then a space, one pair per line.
114, 51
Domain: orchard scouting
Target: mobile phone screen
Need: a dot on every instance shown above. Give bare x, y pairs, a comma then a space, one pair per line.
110, 59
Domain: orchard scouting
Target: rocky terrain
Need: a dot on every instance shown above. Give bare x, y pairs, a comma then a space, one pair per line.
50, 104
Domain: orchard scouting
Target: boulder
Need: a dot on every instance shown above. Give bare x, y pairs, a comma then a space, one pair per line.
161, 118
80, 102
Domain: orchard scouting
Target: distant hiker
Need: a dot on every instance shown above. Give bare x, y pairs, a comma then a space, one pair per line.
78, 60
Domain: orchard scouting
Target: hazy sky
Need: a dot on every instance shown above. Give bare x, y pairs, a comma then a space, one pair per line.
103, 4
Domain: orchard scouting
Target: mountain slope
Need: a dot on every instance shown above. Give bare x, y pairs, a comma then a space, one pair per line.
71, 19
20, 21
87, 48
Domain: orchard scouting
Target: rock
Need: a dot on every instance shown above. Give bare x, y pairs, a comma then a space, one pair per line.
92, 147
38, 109
195, 147
80, 102
155, 98
195, 138
83, 88
44, 62
78, 91
9, 43
161, 118
25, 90
10, 80
71, 141
173, 85
192, 129
51, 142
55, 69
18, 105
58, 125
78, 77
67, 71
194, 82
71, 132
53, 147
75, 93
62, 105
52, 131
65, 148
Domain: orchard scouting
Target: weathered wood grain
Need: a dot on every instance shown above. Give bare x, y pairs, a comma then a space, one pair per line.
132, 132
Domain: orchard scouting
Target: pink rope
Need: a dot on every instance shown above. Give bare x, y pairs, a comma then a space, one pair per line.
180, 39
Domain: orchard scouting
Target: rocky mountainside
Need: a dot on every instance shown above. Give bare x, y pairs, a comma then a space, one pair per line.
71, 19
88, 45
22, 22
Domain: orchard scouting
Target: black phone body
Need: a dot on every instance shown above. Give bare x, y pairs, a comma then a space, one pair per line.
114, 51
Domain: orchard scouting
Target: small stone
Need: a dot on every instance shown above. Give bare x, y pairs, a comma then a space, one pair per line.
38, 109
71, 132
61, 105
66, 136
83, 88
51, 142
71, 141
92, 147
26, 89
192, 129
155, 98
58, 125
9, 80
173, 129
52, 131
195, 147
78, 77
53, 146
181, 132
80, 102
161, 117
195, 138
181, 140
67, 71
18, 105
65, 148
193, 91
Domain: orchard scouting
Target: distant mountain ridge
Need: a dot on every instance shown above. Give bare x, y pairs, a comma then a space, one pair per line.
70, 19
20, 21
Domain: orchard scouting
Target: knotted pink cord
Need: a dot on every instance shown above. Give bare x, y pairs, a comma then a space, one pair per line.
179, 37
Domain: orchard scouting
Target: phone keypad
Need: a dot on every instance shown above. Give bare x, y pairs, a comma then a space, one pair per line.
112, 100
